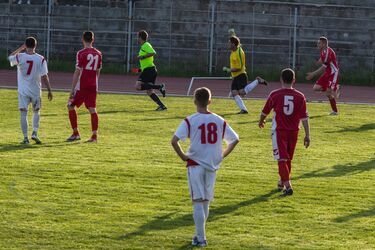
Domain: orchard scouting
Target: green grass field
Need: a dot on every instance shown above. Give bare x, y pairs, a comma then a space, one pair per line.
129, 191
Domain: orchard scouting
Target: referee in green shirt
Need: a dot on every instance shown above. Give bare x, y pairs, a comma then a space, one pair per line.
146, 80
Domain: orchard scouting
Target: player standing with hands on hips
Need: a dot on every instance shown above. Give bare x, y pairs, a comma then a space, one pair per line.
31, 71
289, 106
329, 81
206, 132
85, 86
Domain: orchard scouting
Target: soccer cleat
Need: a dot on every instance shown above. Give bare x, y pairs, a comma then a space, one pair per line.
162, 89
161, 108
287, 192
25, 141
35, 138
261, 81
196, 243
93, 138
74, 137
242, 112
334, 113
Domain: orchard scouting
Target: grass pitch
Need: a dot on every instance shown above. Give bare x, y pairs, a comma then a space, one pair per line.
129, 191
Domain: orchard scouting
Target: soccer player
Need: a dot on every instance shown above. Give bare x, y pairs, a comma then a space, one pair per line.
31, 71
289, 107
147, 78
85, 85
240, 87
206, 132
328, 82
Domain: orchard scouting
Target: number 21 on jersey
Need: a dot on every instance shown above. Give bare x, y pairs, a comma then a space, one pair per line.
288, 105
208, 133
92, 62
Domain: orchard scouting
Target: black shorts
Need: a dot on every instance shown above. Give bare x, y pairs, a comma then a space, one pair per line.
148, 75
239, 82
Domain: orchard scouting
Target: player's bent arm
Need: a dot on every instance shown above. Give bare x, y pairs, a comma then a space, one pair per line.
306, 127
230, 148
76, 75
177, 148
17, 51
315, 73
45, 81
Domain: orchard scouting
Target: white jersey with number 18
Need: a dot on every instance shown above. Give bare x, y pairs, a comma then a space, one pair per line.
30, 69
206, 131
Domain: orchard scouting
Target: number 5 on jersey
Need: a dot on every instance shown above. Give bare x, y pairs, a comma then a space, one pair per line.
288, 104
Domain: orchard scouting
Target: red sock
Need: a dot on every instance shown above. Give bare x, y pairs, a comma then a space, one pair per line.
94, 122
284, 173
73, 120
289, 164
333, 104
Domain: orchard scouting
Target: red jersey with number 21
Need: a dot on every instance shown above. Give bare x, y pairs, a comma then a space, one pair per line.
89, 61
289, 106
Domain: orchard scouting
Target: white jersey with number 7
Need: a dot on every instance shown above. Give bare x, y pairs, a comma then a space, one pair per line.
30, 68
206, 131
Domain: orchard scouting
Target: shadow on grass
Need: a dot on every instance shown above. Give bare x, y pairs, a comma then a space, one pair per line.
18, 146
363, 128
165, 222
160, 118
340, 170
366, 213
131, 111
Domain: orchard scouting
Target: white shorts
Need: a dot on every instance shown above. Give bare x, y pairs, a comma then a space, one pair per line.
24, 101
201, 183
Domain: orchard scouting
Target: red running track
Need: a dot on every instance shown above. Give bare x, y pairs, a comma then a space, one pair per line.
179, 86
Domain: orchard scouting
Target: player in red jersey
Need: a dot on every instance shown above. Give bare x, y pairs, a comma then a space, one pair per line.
85, 85
289, 106
328, 82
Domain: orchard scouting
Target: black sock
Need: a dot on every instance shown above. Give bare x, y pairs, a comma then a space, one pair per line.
147, 85
156, 99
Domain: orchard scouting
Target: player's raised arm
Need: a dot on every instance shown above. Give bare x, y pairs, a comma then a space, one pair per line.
13, 57
177, 148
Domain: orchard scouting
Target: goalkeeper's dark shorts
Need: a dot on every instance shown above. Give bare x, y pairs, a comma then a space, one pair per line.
148, 75
239, 82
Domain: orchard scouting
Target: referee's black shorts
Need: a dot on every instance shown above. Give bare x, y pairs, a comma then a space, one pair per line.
148, 75
239, 82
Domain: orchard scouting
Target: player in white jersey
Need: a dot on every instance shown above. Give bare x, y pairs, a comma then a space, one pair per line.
31, 71
206, 132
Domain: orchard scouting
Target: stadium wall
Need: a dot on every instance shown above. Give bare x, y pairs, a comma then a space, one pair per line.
181, 31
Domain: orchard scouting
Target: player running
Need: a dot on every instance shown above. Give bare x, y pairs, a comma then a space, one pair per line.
206, 132
237, 69
289, 106
329, 81
31, 71
147, 78
85, 86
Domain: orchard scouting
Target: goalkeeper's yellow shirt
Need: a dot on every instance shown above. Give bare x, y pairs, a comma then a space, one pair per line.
148, 62
237, 60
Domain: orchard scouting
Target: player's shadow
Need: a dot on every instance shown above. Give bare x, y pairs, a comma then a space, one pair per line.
316, 116
362, 128
361, 214
160, 118
340, 170
131, 111
18, 147
167, 222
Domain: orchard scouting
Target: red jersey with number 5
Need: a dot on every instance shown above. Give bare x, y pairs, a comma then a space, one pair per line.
89, 61
289, 106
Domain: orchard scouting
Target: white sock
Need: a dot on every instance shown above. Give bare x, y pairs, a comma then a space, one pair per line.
199, 220
24, 124
36, 118
206, 208
240, 102
249, 87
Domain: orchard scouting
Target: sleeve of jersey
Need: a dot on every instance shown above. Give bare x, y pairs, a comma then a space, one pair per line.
13, 60
268, 106
44, 68
230, 135
78, 61
149, 49
182, 131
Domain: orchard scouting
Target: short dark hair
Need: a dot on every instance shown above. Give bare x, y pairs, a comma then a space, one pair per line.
30, 42
88, 36
235, 40
202, 96
143, 35
323, 39
287, 75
